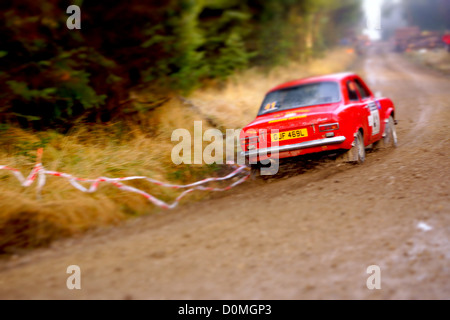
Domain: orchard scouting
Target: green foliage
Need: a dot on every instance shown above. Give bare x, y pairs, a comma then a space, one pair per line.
21, 89
232, 56
28, 149
50, 75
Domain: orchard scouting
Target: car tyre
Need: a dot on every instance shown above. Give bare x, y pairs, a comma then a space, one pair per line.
357, 154
390, 135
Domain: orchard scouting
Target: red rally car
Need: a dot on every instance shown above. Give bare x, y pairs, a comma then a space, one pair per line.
328, 113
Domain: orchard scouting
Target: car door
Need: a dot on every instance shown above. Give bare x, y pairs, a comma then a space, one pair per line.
372, 111
360, 113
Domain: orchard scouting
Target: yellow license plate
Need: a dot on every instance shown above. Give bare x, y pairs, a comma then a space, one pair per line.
288, 135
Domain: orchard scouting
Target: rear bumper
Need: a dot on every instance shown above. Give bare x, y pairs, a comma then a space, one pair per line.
293, 147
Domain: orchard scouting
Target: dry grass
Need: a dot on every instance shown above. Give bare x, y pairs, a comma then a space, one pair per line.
237, 103
91, 151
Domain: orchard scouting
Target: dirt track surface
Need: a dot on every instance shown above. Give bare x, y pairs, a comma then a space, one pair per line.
301, 236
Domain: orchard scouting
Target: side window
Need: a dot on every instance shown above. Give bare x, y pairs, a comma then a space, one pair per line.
362, 90
351, 88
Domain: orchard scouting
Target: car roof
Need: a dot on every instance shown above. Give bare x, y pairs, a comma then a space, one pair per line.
337, 77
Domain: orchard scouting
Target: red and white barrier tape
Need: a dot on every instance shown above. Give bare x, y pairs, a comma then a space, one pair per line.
40, 173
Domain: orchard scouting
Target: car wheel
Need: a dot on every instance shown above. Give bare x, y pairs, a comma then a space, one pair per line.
357, 154
390, 135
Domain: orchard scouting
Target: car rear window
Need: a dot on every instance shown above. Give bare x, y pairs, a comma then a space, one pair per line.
301, 96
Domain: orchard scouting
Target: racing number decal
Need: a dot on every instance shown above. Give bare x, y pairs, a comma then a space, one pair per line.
374, 118
270, 106
376, 122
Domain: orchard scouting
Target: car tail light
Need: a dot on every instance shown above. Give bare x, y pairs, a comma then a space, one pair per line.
250, 140
329, 127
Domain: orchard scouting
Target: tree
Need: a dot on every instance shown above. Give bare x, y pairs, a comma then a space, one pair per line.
428, 14
51, 75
